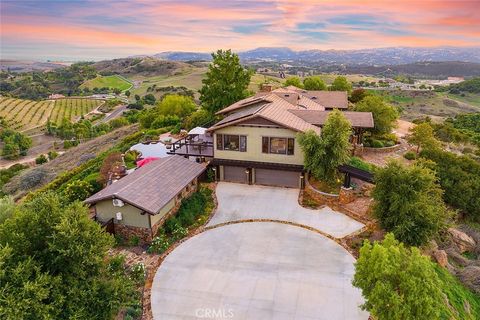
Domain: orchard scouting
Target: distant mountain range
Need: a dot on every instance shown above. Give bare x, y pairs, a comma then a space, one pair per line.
380, 56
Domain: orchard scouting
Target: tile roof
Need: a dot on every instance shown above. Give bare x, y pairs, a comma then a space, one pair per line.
276, 106
318, 118
152, 186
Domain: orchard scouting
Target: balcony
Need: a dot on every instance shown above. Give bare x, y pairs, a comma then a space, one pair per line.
193, 145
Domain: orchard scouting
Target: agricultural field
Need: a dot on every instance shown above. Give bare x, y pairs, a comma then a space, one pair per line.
26, 115
72, 109
437, 105
190, 77
113, 82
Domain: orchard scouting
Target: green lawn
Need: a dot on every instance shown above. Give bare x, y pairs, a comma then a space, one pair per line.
113, 82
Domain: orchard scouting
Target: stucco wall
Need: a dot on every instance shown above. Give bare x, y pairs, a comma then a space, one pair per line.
130, 215
154, 219
254, 145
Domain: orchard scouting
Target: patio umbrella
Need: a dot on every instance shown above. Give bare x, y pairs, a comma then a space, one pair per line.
197, 130
141, 163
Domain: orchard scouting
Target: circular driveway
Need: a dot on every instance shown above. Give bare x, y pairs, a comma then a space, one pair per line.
257, 270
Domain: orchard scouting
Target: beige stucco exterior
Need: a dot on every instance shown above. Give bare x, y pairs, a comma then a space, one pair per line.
156, 218
254, 145
130, 215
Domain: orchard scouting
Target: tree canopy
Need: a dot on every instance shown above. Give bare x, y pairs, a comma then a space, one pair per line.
16, 144
422, 135
341, 84
314, 83
408, 202
294, 81
168, 112
397, 282
226, 81
459, 177
324, 153
384, 115
54, 264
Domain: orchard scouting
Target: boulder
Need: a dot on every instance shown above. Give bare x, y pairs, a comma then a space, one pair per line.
441, 257
470, 276
461, 240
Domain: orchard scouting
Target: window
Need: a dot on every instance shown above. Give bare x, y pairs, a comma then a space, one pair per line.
231, 142
278, 145
219, 141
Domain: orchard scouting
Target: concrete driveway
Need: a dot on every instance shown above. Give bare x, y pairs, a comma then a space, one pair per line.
243, 202
257, 270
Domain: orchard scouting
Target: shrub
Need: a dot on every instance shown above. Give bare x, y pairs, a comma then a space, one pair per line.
178, 233
138, 272
377, 144
52, 155
410, 155
78, 190
116, 264
159, 244
360, 164
459, 177
171, 224
93, 180
408, 202
134, 241
41, 159
117, 123
389, 143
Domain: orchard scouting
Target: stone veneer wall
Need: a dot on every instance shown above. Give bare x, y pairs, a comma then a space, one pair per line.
146, 235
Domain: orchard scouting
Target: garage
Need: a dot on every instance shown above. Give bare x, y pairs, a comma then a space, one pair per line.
279, 178
234, 174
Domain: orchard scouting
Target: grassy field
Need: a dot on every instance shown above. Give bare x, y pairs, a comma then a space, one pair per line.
417, 104
25, 115
190, 78
113, 82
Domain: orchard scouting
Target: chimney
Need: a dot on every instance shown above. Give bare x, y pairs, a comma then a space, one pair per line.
266, 87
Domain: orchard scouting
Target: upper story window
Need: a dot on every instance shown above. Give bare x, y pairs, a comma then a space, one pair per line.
231, 142
278, 145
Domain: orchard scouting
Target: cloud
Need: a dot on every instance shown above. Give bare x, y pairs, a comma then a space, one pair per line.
122, 28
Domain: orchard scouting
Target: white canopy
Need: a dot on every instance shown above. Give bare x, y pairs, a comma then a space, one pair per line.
197, 130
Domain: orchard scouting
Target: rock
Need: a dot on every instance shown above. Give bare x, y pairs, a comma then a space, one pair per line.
462, 241
441, 257
470, 277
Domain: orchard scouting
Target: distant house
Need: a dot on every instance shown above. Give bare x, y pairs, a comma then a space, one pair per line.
256, 141
139, 203
56, 96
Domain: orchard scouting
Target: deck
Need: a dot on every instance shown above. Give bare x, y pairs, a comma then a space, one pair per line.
193, 146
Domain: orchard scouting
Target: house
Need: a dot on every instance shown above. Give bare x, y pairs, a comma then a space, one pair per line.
256, 141
139, 203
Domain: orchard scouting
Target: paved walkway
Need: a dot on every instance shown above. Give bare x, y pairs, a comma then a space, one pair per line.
243, 202
257, 270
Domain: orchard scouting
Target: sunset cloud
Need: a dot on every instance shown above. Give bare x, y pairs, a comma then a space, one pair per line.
97, 29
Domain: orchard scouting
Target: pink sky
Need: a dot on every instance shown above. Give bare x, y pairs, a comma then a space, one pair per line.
99, 29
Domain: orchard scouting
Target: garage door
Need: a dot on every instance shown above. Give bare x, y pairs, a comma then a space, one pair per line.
234, 174
277, 178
